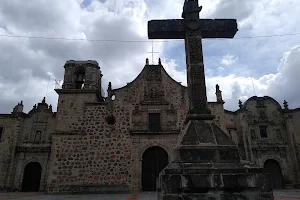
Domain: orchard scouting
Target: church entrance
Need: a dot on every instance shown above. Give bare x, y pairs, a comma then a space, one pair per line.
273, 168
155, 159
32, 177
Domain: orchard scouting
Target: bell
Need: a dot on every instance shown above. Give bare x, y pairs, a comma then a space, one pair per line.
80, 78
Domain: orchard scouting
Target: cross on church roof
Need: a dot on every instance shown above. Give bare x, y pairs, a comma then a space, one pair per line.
152, 52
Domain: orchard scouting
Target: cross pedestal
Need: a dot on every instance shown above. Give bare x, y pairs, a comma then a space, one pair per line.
207, 163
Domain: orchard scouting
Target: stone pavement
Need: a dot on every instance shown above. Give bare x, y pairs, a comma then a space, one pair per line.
279, 195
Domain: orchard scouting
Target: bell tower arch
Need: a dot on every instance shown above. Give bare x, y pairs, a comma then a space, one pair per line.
84, 75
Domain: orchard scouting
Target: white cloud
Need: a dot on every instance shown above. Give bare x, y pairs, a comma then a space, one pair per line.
25, 64
282, 85
228, 60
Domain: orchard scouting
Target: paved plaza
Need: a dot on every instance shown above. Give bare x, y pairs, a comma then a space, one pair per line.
279, 195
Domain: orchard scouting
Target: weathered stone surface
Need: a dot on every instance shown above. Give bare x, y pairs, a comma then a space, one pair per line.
176, 28
211, 171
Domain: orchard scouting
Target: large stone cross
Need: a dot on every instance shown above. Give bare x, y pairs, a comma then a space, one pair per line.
192, 29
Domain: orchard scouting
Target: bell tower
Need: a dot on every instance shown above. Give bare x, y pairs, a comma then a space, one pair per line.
82, 85
82, 75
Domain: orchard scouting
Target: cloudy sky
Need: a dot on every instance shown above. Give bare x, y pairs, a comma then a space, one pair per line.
243, 67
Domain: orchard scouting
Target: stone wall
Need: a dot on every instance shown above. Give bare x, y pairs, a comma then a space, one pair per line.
97, 146
20, 146
97, 156
278, 144
70, 110
172, 104
11, 129
292, 119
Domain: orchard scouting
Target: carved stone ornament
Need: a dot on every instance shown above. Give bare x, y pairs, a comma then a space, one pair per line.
153, 93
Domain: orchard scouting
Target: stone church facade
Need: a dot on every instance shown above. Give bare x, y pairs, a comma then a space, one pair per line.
119, 143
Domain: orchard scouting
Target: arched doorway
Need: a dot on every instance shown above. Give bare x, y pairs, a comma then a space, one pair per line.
155, 159
273, 168
32, 177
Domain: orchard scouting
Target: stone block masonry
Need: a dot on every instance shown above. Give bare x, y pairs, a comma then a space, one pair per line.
97, 159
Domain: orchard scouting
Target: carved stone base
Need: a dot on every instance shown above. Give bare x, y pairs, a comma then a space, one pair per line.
87, 189
207, 165
192, 181
199, 117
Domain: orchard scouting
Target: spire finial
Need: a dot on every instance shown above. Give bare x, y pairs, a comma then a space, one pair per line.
240, 104
219, 94
285, 104
217, 88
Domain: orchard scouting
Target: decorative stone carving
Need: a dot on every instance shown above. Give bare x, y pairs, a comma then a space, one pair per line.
260, 102
137, 116
240, 104
285, 105
263, 115
38, 136
278, 134
253, 134
153, 73
153, 93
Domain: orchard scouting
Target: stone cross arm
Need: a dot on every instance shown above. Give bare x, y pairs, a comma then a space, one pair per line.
176, 28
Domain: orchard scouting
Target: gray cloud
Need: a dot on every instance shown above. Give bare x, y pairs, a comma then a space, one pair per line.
25, 63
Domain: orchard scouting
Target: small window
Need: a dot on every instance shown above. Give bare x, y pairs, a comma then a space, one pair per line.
1, 132
154, 122
263, 131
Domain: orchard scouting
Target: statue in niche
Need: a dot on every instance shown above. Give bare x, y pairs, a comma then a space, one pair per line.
253, 134
38, 135
153, 93
278, 133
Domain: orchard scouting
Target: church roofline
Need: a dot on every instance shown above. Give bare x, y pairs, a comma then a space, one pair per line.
264, 97
144, 68
13, 115
291, 110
